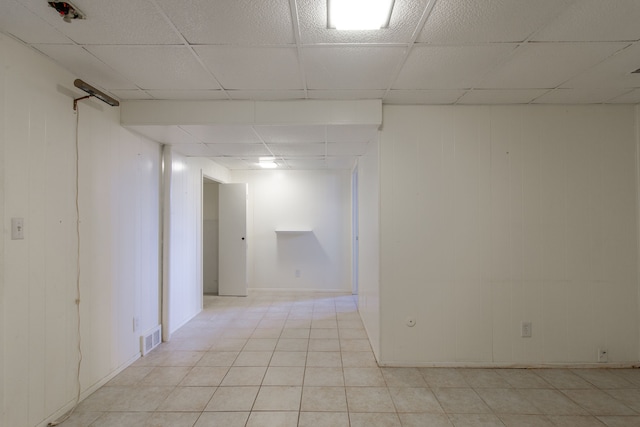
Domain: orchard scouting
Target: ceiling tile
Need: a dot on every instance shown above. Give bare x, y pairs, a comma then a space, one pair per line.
346, 148
193, 150
157, 67
130, 94
166, 134
25, 25
266, 95
231, 21
111, 22
547, 65
442, 96
580, 96
352, 133
232, 163
291, 133
465, 21
239, 150
449, 67
86, 66
340, 162
345, 94
188, 94
251, 68
222, 133
501, 96
615, 71
595, 20
631, 97
313, 24
350, 67
298, 150
307, 163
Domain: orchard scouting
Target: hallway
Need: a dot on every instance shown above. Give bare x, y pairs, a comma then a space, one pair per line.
303, 359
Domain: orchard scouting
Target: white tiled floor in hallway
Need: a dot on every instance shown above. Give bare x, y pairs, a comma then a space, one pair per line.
303, 359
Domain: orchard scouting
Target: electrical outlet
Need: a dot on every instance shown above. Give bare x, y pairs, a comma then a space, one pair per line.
136, 323
603, 355
297, 273
525, 330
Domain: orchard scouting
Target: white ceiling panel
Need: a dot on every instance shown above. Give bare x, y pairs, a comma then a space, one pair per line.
166, 134
449, 67
345, 94
222, 133
631, 97
352, 133
405, 17
266, 95
547, 65
193, 150
156, 67
595, 20
235, 22
188, 94
341, 162
346, 148
435, 97
579, 96
16, 19
615, 71
261, 68
351, 67
83, 64
239, 150
298, 150
473, 21
291, 133
134, 94
501, 96
232, 162
307, 163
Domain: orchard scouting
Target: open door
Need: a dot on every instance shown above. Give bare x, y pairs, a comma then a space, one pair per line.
232, 253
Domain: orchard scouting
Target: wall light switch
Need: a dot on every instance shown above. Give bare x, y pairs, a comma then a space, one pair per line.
17, 228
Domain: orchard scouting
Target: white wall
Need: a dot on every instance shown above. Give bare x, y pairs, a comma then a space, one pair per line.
369, 244
119, 200
184, 281
318, 200
495, 215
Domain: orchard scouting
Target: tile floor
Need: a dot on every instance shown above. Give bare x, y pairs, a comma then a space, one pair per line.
275, 359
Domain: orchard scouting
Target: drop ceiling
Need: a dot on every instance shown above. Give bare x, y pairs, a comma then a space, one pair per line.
434, 52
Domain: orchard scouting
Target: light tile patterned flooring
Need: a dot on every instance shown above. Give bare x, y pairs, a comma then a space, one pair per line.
303, 359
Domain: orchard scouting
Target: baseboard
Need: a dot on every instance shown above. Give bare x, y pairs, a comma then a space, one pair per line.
88, 392
500, 365
300, 290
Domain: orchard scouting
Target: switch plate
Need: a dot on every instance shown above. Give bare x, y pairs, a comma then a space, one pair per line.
17, 228
525, 330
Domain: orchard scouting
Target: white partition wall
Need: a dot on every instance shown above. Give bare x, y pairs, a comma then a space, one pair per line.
119, 247
491, 216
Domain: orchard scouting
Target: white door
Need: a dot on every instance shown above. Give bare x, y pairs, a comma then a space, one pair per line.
232, 252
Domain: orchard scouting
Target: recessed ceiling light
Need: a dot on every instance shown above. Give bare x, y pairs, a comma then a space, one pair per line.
359, 14
267, 163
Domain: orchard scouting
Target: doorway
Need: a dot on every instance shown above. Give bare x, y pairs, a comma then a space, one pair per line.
210, 236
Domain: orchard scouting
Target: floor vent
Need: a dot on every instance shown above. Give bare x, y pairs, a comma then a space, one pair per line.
151, 340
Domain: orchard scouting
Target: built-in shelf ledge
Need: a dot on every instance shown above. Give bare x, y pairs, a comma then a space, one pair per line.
293, 231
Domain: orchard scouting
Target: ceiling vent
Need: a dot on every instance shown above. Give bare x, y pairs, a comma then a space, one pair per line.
67, 11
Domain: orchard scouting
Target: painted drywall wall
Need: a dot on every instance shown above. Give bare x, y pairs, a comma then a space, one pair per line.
491, 216
369, 244
119, 179
184, 281
210, 238
299, 200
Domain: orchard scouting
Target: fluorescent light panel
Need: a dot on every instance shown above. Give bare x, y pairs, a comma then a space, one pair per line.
359, 14
267, 163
